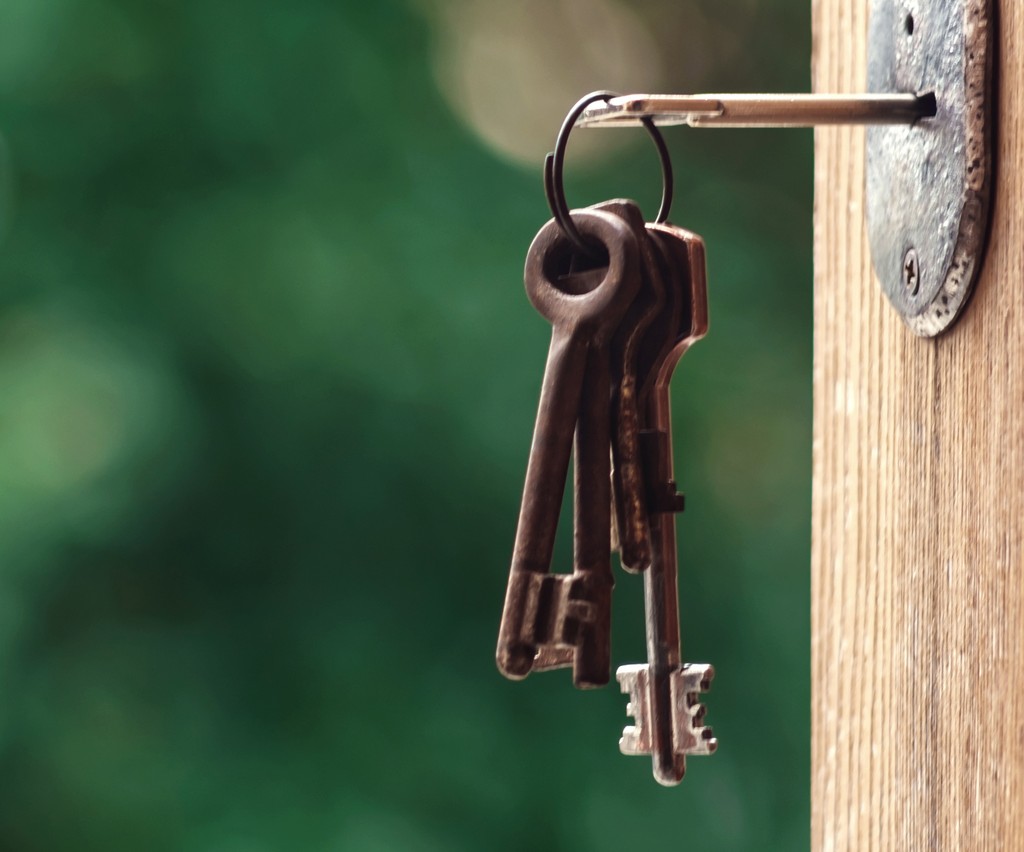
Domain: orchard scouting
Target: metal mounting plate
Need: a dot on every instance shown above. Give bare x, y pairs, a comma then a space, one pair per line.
929, 185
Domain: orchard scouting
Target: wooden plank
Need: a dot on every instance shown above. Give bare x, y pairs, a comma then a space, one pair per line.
918, 537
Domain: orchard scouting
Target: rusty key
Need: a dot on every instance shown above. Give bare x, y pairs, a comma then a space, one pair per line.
590, 655
633, 537
565, 616
664, 693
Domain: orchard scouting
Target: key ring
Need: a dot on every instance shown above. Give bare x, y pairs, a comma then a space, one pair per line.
554, 163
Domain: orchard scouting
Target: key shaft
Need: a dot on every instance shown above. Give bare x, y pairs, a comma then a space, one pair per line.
592, 515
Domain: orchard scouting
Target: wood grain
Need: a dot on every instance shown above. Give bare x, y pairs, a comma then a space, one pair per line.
918, 531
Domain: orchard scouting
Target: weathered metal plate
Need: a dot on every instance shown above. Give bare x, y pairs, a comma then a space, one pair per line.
929, 185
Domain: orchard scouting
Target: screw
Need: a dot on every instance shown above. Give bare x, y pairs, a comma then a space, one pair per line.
912, 272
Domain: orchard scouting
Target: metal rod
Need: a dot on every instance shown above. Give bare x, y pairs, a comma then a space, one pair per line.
759, 110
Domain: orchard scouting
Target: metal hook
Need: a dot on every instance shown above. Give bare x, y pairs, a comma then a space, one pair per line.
760, 110
554, 163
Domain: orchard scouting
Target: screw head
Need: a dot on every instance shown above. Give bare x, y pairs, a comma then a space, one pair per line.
912, 273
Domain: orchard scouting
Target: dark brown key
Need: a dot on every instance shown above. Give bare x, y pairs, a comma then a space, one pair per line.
592, 512
587, 647
633, 535
664, 693
566, 617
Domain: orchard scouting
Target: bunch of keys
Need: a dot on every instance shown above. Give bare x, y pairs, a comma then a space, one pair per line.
625, 300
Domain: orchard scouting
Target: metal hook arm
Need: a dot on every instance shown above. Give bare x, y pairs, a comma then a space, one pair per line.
555, 161
758, 110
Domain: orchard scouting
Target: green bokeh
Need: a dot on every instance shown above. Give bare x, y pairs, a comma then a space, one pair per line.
268, 381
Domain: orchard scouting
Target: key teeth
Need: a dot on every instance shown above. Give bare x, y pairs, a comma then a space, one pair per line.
629, 742
633, 682
695, 677
688, 683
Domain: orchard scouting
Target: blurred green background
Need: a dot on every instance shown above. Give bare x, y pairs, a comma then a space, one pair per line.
268, 381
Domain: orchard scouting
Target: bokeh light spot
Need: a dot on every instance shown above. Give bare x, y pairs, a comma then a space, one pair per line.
511, 71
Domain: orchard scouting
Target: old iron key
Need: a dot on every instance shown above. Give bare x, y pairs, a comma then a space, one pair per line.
570, 613
633, 539
592, 495
663, 693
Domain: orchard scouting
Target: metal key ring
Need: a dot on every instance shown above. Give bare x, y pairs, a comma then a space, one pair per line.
554, 163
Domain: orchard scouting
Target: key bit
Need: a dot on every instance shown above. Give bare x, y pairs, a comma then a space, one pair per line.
559, 611
688, 733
